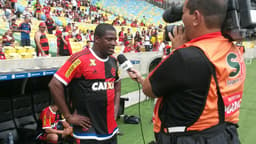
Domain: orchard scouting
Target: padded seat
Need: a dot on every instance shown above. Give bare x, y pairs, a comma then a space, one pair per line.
7, 124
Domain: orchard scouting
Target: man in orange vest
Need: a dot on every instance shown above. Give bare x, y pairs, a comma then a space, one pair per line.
42, 45
201, 82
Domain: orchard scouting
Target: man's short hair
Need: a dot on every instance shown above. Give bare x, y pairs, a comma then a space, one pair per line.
214, 11
102, 28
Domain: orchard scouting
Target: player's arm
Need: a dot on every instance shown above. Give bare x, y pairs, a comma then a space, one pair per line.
57, 91
117, 96
62, 77
46, 124
53, 131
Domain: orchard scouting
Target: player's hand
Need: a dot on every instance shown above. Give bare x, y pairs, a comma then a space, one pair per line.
79, 120
178, 38
67, 131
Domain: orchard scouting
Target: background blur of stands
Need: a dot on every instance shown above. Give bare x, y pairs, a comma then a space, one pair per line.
24, 91
163, 3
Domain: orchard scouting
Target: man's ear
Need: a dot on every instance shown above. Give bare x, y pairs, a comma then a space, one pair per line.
96, 39
197, 19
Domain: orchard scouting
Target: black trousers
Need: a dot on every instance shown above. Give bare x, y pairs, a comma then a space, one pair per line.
113, 140
223, 134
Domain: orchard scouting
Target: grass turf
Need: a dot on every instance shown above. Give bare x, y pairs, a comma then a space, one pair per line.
247, 129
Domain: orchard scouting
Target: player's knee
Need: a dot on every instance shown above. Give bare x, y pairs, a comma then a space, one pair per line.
52, 138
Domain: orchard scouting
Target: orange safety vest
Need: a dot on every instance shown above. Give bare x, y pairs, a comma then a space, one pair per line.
156, 119
230, 71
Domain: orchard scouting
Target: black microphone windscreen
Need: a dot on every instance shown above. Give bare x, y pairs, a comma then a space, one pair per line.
173, 14
125, 64
121, 58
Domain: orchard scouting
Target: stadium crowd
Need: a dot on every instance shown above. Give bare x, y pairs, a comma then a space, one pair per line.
133, 36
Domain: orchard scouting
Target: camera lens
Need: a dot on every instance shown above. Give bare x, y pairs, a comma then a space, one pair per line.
168, 28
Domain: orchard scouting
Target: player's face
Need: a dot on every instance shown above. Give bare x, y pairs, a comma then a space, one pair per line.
108, 43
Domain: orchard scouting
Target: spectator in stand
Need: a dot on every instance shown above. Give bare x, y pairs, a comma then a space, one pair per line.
63, 44
12, 16
2, 55
153, 38
143, 32
14, 26
124, 23
13, 4
121, 36
137, 37
69, 34
134, 23
128, 47
7, 13
90, 36
79, 37
75, 31
58, 13
8, 39
27, 13
116, 21
50, 24
38, 10
25, 30
137, 46
74, 5
52, 126
105, 17
29, 4
68, 28
129, 36
143, 21
88, 45
46, 10
78, 4
147, 43
42, 45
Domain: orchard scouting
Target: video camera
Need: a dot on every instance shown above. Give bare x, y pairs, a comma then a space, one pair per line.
240, 22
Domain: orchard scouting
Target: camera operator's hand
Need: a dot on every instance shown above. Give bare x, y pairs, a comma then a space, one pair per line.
178, 38
135, 75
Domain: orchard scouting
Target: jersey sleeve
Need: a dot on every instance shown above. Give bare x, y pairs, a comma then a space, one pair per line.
117, 73
184, 69
46, 119
69, 70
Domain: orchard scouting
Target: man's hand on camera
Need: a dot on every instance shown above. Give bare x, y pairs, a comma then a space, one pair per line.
82, 121
178, 38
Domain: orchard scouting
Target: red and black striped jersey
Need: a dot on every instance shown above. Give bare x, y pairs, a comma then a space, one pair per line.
90, 80
44, 42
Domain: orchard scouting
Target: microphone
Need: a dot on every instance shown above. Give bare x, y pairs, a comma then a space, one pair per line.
125, 64
173, 13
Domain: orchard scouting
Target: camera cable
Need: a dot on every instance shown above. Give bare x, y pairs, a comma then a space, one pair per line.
141, 128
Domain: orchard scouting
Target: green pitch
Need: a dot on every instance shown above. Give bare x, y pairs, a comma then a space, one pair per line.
247, 129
